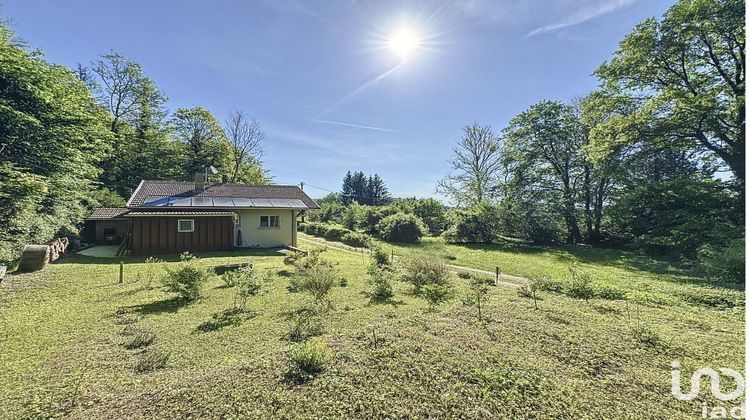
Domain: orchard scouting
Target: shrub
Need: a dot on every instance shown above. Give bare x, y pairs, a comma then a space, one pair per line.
187, 279
580, 285
306, 323
249, 283
645, 335
372, 216
435, 294
380, 280
309, 359
335, 233
149, 361
139, 339
380, 257
314, 275
401, 227
610, 293
481, 223
725, 263
423, 271
356, 239
318, 281
464, 275
149, 274
549, 285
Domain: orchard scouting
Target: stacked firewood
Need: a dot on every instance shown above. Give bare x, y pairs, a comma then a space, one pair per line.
57, 247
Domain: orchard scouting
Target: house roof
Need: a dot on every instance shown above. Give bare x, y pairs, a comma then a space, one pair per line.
107, 213
179, 194
178, 213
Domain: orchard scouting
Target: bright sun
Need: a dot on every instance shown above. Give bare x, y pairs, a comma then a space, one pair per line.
404, 42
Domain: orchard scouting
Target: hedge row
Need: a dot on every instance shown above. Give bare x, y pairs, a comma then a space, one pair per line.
335, 233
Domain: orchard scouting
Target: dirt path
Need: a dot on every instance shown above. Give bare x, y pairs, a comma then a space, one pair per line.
358, 251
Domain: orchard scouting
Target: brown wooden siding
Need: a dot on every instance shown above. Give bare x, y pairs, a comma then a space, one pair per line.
158, 235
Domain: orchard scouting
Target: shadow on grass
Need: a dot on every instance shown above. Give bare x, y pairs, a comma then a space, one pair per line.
73, 258
226, 318
385, 301
160, 306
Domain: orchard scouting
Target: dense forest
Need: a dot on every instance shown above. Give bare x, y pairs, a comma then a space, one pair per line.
653, 160
72, 139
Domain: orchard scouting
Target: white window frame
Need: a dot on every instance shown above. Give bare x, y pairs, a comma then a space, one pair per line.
181, 230
269, 225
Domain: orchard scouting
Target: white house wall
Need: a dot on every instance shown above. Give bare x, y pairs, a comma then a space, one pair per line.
255, 236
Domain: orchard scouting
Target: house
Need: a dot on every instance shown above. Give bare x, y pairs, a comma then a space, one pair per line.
168, 217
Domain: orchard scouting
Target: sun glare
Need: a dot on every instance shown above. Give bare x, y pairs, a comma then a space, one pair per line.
404, 42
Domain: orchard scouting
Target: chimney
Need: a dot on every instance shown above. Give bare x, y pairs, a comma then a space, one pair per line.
224, 179
200, 182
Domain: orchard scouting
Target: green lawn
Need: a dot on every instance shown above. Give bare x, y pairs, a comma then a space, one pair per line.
62, 350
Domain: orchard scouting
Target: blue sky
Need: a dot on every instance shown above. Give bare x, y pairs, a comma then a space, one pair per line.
320, 79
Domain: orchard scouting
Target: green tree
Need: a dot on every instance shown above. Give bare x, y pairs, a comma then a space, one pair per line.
204, 140
544, 143
52, 140
685, 76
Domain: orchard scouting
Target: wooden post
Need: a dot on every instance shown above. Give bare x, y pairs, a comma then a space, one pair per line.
122, 269
497, 275
391, 255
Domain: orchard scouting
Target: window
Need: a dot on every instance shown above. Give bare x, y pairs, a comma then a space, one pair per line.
269, 222
185, 225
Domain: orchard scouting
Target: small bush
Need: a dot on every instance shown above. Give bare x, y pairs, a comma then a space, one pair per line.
306, 323
151, 271
187, 279
435, 294
309, 359
423, 271
610, 293
356, 239
645, 335
402, 227
249, 283
580, 285
380, 257
549, 285
318, 281
381, 283
464, 275
149, 361
140, 339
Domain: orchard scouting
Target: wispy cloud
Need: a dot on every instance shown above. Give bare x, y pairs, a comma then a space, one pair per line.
361, 88
587, 12
345, 124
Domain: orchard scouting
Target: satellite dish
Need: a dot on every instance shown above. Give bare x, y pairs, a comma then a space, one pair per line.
213, 170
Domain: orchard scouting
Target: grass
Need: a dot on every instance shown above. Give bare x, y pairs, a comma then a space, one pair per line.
61, 335
644, 279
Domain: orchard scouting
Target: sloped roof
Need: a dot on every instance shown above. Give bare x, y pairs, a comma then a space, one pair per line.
153, 190
107, 213
178, 213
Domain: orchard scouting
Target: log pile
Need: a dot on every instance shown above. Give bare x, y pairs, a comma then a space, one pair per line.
33, 258
57, 247
36, 257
